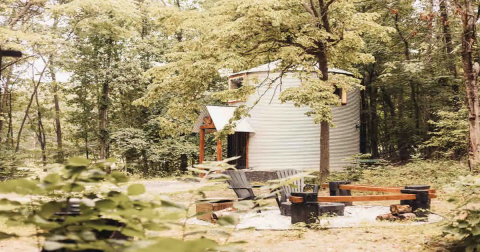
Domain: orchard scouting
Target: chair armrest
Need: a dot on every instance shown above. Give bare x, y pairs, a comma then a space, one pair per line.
315, 187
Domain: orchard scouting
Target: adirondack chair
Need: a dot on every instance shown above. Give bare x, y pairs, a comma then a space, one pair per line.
240, 185
286, 191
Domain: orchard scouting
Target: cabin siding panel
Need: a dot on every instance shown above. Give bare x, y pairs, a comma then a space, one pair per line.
285, 138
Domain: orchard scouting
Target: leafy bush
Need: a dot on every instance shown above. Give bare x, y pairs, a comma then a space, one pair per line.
465, 218
359, 163
450, 139
437, 174
112, 216
9, 163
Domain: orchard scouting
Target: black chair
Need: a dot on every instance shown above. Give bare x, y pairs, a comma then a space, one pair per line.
239, 184
286, 190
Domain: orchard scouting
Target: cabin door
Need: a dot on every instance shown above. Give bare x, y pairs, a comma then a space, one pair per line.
237, 146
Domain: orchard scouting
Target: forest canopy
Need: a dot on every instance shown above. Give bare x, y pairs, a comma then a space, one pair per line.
128, 78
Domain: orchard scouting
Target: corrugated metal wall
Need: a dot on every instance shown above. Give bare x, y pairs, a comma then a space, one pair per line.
286, 138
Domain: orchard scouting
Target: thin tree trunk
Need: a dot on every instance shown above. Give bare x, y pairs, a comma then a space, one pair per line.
35, 88
58, 125
3, 104
364, 121
448, 41
324, 126
470, 70
373, 131
403, 144
41, 132
103, 121
103, 106
10, 119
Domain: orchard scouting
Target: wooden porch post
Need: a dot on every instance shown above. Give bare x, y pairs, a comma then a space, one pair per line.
202, 145
219, 150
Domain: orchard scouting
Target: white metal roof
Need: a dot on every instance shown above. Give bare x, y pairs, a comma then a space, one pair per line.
220, 116
272, 66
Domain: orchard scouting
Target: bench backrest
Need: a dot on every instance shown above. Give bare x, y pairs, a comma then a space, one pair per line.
287, 190
239, 183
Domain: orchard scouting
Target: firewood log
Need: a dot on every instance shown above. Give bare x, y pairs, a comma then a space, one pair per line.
400, 209
387, 217
224, 212
407, 216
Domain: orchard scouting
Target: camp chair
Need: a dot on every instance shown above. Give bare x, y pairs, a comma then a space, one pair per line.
286, 190
240, 185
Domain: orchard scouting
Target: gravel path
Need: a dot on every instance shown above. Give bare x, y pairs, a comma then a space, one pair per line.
170, 186
355, 216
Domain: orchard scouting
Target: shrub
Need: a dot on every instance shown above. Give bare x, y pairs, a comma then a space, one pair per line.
450, 136
112, 216
437, 174
464, 223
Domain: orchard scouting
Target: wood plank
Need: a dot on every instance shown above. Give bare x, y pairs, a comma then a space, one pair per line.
219, 150
367, 198
295, 199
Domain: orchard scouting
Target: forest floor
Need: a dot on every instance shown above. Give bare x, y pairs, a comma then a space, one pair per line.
368, 238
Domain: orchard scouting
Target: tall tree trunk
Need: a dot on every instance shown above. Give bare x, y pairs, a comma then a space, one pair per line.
27, 110
3, 103
324, 126
10, 119
103, 106
470, 70
323, 66
103, 121
3, 100
372, 95
58, 125
448, 41
403, 144
41, 132
364, 121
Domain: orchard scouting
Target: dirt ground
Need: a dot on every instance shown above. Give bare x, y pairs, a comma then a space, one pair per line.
398, 238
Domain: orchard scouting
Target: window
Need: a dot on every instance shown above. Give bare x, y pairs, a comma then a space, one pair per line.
236, 82
342, 94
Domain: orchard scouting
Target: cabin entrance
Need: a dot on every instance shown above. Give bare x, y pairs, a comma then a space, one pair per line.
238, 147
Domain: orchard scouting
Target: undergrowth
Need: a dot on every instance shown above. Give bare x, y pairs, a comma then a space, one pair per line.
437, 174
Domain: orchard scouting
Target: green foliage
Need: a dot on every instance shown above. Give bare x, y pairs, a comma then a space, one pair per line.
9, 163
450, 139
437, 174
229, 35
464, 223
110, 216
358, 165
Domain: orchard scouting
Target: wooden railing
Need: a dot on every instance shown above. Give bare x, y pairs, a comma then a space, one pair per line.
396, 196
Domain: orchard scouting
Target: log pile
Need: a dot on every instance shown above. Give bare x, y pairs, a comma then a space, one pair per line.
218, 214
398, 213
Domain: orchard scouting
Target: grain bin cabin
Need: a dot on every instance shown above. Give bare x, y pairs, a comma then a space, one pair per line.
280, 136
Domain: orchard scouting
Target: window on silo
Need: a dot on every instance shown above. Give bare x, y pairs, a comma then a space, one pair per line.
342, 94
236, 82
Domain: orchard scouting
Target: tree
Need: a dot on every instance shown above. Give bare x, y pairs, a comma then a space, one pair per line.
470, 76
312, 35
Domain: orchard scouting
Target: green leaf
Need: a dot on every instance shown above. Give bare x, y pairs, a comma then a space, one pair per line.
105, 204
136, 189
52, 245
52, 178
476, 230
227, 220
119, 177
88, 236
48, 209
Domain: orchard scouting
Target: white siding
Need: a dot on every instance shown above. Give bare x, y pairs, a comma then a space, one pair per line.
286, 138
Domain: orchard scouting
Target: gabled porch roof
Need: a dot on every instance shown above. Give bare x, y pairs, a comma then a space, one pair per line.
220, 116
